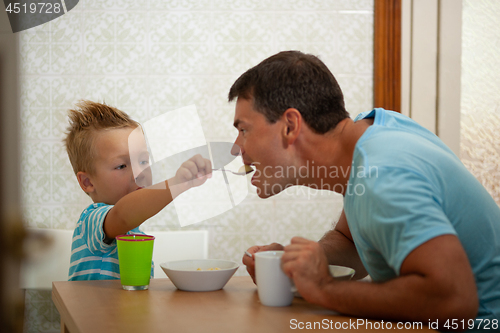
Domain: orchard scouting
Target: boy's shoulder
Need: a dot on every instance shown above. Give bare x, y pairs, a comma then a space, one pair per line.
96, 206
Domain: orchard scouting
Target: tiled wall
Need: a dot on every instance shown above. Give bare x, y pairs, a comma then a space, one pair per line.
148, 57
480, 121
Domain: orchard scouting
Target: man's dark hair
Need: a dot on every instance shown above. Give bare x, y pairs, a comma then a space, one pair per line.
292, 79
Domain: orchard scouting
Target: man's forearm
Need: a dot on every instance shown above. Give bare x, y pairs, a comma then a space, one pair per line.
429, 286
402, 299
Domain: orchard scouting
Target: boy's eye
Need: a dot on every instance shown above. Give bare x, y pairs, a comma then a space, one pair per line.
144, 162
121, 167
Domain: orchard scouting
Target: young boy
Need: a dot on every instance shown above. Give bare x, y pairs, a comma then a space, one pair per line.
110, 159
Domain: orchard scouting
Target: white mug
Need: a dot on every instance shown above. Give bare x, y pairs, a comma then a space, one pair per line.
274, 287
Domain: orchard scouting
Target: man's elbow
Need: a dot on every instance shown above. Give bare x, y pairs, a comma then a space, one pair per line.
465, 309
461, 308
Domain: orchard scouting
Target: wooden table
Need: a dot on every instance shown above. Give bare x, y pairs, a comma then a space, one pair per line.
103, 306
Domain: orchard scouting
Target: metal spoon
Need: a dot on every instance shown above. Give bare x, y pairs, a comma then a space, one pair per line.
244, 170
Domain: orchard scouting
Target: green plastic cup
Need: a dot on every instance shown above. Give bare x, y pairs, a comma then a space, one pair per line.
135, 254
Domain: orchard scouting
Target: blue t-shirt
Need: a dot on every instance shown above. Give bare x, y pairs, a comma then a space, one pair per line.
407, 187
91, 257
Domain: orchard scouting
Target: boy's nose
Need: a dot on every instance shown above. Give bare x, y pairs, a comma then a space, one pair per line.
144, 178
137, 172
137, 180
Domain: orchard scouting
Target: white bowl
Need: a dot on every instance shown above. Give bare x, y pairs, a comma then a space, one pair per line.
200, 275
341, 273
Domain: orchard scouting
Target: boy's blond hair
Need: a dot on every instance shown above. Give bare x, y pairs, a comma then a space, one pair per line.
84, 121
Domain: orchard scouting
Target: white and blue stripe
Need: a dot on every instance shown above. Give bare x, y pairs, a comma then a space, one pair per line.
91, 258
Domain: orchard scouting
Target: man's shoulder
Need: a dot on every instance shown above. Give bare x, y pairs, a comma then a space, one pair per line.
398, 141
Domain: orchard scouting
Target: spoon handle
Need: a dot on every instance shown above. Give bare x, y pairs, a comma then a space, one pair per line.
235, 173
243, 171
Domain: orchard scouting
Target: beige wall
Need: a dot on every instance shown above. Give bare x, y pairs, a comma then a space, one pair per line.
151, 57
146, 64
150, 60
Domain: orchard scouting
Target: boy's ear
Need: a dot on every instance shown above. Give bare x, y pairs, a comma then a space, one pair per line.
293, 124
85, 182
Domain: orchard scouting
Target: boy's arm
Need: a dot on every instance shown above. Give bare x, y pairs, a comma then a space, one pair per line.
138, 206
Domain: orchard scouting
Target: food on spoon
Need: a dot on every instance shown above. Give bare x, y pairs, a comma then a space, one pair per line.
245, 169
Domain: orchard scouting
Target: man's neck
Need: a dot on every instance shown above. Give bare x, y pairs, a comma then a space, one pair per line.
329, 156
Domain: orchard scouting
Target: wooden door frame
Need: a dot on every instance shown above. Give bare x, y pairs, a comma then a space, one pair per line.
387, 55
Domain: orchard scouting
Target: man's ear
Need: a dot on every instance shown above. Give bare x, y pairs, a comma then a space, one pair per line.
85, 182
293, 125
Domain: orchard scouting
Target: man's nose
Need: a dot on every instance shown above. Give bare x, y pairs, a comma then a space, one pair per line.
236, 150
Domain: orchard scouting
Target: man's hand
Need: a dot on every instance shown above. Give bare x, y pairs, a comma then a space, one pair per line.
250, 261
305, 262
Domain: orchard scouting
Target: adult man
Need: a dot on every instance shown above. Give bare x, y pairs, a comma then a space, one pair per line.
419, 223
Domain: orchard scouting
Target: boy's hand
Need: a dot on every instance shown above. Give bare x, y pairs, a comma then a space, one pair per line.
194, 172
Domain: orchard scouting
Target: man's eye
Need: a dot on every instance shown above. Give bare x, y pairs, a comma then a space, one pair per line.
121, 167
